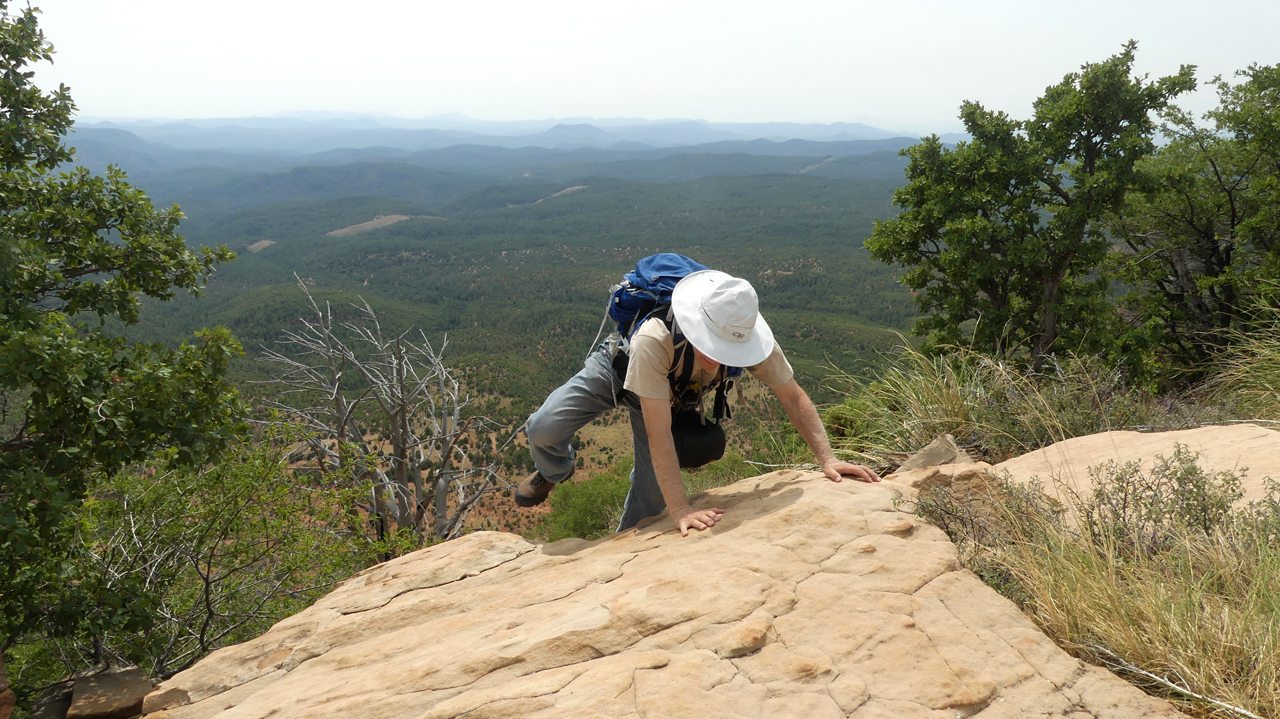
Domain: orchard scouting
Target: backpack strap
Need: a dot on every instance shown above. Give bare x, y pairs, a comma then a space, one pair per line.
681, 361
646, 310
680, 374
721, 407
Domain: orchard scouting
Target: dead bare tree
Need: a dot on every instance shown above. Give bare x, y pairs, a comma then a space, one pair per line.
429, 480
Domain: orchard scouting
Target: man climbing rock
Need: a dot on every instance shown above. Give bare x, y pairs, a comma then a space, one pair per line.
678, 349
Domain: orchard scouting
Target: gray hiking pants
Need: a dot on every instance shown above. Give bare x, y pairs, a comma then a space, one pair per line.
587, 395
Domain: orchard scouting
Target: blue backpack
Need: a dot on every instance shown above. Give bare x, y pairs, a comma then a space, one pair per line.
646, 292
646, 288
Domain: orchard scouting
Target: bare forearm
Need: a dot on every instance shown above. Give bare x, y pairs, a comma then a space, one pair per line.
662, 453
666, 466
804, 417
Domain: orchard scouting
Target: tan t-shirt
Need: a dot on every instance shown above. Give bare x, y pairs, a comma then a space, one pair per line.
652, 352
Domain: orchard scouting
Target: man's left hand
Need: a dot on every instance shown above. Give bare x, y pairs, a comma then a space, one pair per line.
836, 471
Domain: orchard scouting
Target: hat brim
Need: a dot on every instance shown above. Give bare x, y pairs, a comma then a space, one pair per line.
686, 305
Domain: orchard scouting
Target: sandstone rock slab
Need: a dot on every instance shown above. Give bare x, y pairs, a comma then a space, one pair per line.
1063, 468
809, 598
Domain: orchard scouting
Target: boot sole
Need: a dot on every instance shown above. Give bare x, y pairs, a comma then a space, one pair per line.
523, 501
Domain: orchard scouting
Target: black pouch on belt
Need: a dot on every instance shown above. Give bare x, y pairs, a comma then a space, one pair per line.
698, 441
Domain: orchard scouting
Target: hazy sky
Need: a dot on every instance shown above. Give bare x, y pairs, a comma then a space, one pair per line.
898, 64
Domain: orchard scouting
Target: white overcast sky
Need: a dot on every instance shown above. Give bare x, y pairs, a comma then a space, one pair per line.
897, 64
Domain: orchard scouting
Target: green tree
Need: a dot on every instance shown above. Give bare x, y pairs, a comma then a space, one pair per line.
1201, 247
1005, 228
77, 250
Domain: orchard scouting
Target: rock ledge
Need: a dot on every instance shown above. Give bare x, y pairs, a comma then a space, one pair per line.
810, 599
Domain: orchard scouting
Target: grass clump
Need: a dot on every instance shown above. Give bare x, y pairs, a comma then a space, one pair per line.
1156, 574
1250, 373
995, 407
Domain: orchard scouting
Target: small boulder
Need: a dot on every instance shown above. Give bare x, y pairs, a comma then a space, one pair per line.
112, 694
942, 450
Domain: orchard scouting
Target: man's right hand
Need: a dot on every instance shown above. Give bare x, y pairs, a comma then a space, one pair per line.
690, 518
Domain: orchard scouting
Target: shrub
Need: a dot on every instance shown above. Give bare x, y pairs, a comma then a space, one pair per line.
207, 557
1144, 511
589, 509
1155, 575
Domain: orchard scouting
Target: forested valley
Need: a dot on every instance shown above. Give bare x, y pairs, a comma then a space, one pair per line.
517, 275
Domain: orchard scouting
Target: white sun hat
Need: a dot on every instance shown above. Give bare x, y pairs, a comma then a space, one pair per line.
720, 316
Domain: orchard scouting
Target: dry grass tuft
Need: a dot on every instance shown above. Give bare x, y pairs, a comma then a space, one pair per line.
1250, 375
998, 408
1157, 578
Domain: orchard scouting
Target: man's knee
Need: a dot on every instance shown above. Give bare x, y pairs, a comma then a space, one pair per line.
540, 431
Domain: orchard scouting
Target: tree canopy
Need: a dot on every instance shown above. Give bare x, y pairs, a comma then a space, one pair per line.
78, 250
1005, 229
1202, 248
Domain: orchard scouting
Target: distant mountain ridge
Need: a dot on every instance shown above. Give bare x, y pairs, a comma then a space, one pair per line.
302, 136
562, 145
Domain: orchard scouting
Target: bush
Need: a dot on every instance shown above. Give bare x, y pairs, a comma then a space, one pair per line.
208, 557
589, 509
1155, 575
1145, 512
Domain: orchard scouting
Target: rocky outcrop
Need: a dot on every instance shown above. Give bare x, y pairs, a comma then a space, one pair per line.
1063, 468
809, 599
112, 694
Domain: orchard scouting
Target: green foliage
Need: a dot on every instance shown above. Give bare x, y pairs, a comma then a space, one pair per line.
298, 219
78, 248
679, 168
589, 509
1145, 511
1201, 247
207, 192
1005, 229
170, 564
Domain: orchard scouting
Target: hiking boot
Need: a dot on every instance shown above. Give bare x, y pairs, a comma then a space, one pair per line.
533, 490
